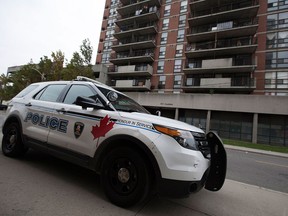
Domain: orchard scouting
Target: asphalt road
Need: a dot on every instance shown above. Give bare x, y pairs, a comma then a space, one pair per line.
257, 169
42, 185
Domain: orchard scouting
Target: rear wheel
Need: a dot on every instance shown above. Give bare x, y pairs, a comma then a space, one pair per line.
12, 144
125, 177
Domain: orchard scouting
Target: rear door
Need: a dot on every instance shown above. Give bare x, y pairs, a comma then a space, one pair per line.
218, 166
38, 112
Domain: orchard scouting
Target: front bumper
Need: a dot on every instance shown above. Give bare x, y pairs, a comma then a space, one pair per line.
180, 189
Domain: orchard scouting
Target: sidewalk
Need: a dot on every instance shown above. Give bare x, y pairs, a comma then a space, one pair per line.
257, 151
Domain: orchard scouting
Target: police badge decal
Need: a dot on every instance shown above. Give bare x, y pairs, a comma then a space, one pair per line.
78, 129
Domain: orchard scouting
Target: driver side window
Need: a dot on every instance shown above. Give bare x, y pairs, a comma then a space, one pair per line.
78, 90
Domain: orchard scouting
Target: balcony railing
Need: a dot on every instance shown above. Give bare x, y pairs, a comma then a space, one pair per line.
131, 70
138, 13
223, 8
124, 3
235, 62
233, 24
148, 52
135, 40
136, 84
135, 26
242, 82
236, 42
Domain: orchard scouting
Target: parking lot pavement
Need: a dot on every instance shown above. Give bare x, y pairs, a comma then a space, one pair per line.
74, 198
237, 199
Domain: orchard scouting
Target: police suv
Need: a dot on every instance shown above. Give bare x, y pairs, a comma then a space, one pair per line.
135, 153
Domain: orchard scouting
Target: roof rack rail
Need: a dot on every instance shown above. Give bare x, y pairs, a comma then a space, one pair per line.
82, 78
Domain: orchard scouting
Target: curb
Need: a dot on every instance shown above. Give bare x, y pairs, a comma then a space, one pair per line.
257, 151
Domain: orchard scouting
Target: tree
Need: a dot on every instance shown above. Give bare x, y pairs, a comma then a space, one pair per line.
48, 69
86, 50
58, 60
13, 83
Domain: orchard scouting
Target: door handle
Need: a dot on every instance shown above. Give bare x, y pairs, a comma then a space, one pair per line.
62, 110
28, 104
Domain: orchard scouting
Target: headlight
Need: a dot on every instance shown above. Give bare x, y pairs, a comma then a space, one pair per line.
183, 137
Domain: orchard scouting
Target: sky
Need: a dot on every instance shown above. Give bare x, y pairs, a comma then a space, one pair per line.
31, 29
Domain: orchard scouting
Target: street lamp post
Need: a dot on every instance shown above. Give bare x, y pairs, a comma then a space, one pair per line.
42, 75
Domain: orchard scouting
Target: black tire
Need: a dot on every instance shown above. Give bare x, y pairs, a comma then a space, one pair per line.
12, 145
125, 177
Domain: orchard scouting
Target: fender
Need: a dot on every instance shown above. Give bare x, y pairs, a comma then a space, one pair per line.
129, 141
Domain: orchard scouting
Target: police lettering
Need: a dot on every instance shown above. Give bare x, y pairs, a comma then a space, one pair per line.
48, 122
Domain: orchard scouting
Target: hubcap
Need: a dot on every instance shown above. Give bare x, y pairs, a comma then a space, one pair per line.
123, 175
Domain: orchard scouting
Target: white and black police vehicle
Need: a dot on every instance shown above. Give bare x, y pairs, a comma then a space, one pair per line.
136, 153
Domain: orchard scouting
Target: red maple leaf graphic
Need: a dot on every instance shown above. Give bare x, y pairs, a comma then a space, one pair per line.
105, 126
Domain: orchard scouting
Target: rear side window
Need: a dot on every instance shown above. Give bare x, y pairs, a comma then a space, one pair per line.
50, 93
26, 91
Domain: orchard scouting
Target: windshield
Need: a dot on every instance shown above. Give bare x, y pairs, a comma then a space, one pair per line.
121, 102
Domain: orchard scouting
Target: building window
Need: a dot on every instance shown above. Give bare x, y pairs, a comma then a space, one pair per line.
277, 59
193, 117
183, 6
160, 67
182, 20
178, 65
277, 21
277, 40
237, 126
161, 83
162, 52
107, 45
110, 33
277, 5
276, 80
180, 36
113, 2
165, 24
177, 81
105, 57
168, 1
272, 130
179, 50
167, 10
164, 38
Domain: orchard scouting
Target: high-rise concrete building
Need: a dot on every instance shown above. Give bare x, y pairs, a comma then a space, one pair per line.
167, 53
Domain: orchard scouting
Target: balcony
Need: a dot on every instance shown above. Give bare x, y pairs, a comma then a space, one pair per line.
136, 29
134, 57
136, 2
147, 42
133, 6
132, 85
238, 84
235, 46
208, 14
230, 29
138, 18
220, 66
131, 70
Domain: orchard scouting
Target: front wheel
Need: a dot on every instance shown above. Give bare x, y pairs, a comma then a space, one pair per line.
125, 177
12, 145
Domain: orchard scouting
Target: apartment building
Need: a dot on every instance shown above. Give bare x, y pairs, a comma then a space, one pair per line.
230, 55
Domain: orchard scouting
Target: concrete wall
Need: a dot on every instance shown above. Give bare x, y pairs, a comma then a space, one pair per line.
216, 102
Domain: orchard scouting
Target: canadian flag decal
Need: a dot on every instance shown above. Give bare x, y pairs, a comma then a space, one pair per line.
105, 126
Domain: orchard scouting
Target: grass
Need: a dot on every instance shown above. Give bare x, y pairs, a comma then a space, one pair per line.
280, 149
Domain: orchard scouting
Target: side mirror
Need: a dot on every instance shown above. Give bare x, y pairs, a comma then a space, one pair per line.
86, 102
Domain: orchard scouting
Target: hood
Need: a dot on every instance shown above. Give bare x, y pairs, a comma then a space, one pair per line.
154, 119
